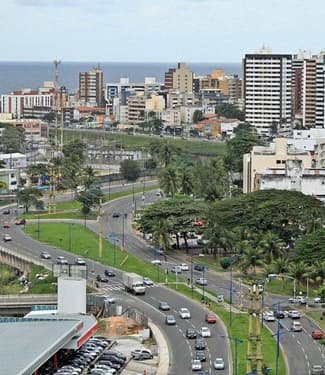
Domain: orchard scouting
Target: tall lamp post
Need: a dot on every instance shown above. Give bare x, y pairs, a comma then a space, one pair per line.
277, 334
192, 272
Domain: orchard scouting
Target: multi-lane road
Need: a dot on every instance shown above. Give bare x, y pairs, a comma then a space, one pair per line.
301, 351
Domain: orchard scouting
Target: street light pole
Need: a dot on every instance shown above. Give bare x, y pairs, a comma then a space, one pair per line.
70, 236
230, 301
123, 217
38, 227
203, 289
192, 272
236, 341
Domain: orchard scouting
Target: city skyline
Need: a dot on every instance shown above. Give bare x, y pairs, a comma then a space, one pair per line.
160, 31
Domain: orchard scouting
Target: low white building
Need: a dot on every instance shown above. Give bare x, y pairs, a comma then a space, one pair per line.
14, 160
11, 178
293, 177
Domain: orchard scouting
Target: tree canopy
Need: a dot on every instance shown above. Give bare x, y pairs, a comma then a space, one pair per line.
311, 248
229, 111
130, 169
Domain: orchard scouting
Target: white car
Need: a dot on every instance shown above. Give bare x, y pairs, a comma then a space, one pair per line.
205, 332
184, 313
219, 364
176, 269
147, 281
184, 267
201, 281
196, 365
7, 237
268, 316
296, 326
156, 261
293, 314
80, 261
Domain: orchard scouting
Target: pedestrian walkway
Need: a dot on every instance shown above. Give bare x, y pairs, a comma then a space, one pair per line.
118, 287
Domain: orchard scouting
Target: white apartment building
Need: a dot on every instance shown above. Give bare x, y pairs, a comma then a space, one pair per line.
267, 90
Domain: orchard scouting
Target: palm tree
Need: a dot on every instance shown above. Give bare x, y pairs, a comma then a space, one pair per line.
161, 233
299, 270
168, 180
186, 181
280, 265
88, 177
220, 239
251, 258
272, 245
317, 272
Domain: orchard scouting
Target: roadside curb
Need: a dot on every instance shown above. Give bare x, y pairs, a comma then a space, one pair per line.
163, 363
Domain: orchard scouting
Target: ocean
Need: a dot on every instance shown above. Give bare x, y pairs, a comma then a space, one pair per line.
18, 75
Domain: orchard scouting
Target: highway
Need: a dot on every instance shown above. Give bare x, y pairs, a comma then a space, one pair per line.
216, 345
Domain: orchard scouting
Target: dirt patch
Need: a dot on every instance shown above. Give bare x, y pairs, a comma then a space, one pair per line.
120, 325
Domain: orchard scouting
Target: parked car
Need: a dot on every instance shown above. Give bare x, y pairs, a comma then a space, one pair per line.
45, 255
201, 281
317, 334
170, 320
141, 354
219, 363
196, 365
184, 313
109, 273
204, 332
190, 333
20, 222
210, 318
147, 281
164, 306
7, 237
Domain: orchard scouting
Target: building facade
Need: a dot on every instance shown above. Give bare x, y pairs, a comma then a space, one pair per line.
91, 87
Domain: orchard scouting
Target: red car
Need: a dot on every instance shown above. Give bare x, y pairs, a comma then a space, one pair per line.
210, 318
317, 335
6, 225
20, 222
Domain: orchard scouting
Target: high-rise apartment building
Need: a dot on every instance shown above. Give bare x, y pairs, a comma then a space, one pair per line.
179, 79
267, 90
91, 87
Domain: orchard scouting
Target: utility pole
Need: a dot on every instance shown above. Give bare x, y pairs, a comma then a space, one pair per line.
254, 357
100, 228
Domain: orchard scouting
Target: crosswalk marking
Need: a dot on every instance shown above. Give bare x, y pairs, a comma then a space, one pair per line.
116, 287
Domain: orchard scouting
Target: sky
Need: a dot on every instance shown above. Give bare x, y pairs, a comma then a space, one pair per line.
157, 30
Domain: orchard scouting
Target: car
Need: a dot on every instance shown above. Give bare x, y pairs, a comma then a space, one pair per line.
184, 313
156, 262
109, 273
141, 354
158, 193
116, 214
319, 300
317, 334
184, 267
196, 365
210, 318
159, 251
200, 267
6, 225
45, 255
279, 314
204, 332
20, 222
317, 370
61, 260
6, 211
147, 281
200, 344
294, 314
297, 300
200, 355
117, 354
219, 363
268, 316
164, 306
102, 278
190, 333
176, 269
80, 261
170, 320
7, 237
201, 281
296, 326
109, 299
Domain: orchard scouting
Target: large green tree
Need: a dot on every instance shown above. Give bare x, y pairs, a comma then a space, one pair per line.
130, 169
168, 180
29, 197
12, 138
229, 111
311, 248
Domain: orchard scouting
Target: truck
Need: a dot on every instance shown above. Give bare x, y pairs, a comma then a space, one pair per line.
133, 283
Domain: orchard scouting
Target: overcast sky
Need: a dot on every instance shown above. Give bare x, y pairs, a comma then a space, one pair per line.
157, 30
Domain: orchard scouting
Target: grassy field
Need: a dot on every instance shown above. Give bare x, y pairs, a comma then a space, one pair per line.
194, 147
318, 316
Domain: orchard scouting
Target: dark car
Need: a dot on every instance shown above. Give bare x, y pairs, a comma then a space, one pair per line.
170, 320
102, 278
199, 344
109, 273
279, 314
200, 355
116, 214
200, 267
6, 211
164, 306
190, 333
